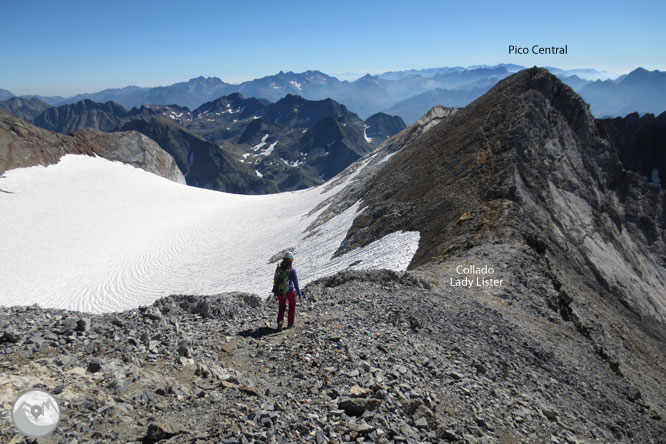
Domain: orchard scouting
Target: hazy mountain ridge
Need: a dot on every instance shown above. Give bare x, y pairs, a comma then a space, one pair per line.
365, 96
412, 108
5, 94
26, 109
639, 91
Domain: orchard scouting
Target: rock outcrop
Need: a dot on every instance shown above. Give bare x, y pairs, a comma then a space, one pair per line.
639, 141
25, 145
204, 164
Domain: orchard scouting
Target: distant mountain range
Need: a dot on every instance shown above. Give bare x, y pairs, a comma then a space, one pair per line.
412, 109
409, 93
238, 144
639, 91
26, 109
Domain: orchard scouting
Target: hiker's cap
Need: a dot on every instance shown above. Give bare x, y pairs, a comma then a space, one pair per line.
288, 255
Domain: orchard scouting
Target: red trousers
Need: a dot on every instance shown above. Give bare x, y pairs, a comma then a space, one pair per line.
282, 299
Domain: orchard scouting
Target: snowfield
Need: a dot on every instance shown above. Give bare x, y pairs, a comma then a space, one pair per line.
98, 236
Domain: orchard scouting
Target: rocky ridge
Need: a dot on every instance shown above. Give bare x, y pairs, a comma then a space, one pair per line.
528, 165
24, 108
85, 114
375, 357
25, 145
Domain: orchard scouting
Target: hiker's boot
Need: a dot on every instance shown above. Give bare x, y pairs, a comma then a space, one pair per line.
289, 325
279, 325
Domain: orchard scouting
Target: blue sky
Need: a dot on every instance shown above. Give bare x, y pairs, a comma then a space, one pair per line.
66, 47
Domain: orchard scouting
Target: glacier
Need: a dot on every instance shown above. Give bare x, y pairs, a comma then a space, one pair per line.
97, 236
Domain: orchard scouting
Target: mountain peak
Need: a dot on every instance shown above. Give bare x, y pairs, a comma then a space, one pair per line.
236, 96
5, 94
642, 75
524, 84
517, 116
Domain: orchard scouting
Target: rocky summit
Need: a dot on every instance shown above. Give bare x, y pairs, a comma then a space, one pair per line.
532, 312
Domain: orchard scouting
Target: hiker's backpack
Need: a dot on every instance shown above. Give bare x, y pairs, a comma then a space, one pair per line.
281, 280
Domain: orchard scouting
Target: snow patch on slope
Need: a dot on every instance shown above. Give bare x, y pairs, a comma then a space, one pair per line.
260, 144
269, 150
98, 236
365, 135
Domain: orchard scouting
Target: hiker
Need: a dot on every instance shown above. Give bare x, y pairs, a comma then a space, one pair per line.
285, 288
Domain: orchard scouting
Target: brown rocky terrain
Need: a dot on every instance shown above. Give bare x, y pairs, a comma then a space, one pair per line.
23, 145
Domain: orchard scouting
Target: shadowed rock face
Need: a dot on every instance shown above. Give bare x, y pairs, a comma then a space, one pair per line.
382, 126
84, 114
640, 143
204, 164
24, 145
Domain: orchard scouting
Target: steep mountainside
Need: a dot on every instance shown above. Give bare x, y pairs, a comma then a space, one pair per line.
84, 114
525, 181
533, 311
26, 109
640, 144
24, 145
204, 164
